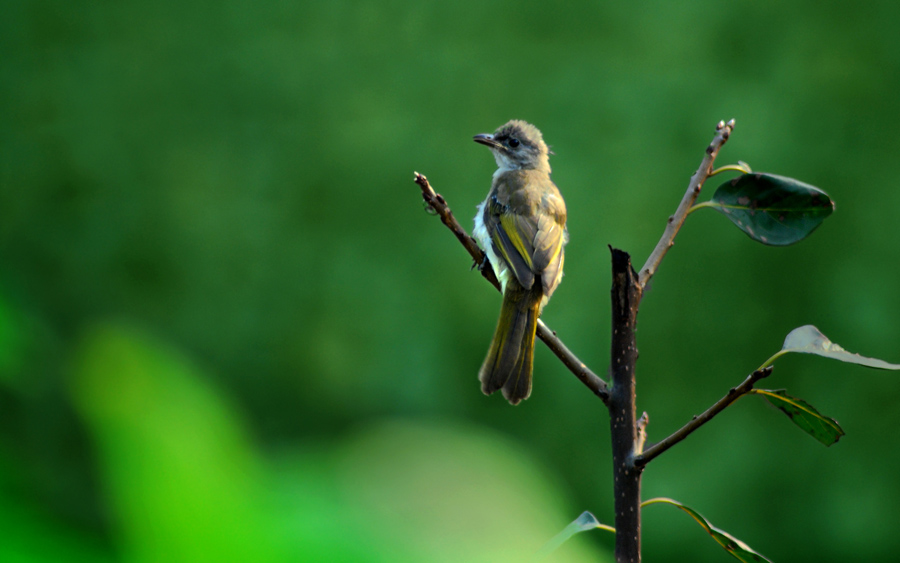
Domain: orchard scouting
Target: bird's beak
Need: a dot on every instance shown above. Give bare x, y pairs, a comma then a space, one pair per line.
488, 140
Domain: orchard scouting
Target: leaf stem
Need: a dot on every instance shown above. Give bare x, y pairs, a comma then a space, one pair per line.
772, 359
741, 167
700, 206
658, 500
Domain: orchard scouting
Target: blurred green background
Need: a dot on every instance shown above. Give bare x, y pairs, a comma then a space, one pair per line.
228, 330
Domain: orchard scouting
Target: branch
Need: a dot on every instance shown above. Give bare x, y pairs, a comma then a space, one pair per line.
436, 205
733, 395
723, 131
584, 374
624, 429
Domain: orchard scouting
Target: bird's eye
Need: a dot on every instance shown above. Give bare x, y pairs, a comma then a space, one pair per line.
513, 142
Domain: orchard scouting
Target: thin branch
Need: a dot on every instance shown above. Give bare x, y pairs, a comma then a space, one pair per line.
723, 131
435, 204
584, 374
733, 395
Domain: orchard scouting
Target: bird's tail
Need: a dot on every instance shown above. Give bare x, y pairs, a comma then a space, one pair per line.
510, 359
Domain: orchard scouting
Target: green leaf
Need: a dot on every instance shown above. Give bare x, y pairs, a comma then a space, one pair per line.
804, 415
586, 521
809, 340
180, 471
731, 544
772, 209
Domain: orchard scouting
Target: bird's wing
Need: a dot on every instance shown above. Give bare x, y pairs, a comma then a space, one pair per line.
547, 257
513, 238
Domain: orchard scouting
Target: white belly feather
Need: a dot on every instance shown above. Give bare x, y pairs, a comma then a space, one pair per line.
484, 239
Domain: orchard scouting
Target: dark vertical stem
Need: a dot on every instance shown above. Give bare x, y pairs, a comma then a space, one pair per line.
626, 294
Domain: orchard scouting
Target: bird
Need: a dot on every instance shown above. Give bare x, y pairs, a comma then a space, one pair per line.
521, 225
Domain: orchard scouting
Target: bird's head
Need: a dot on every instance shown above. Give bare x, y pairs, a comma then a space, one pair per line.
517, 145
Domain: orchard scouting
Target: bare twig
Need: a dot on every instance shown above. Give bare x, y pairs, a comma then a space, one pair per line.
584, 374
733, 395
435, 203
723, 131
